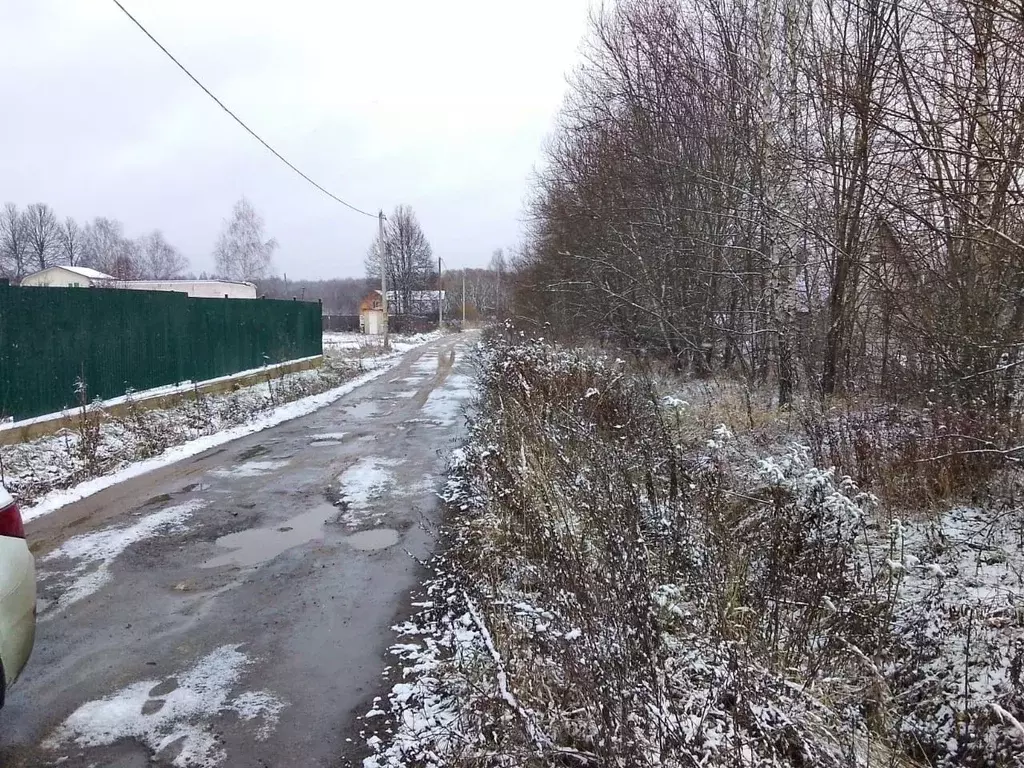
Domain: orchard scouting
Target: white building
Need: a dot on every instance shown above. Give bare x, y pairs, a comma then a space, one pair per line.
84, 277
68, 277
203, 289
417, 302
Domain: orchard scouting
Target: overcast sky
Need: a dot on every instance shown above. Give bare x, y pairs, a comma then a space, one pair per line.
441, 104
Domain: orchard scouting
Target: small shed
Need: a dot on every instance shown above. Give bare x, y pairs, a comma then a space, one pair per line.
371, 314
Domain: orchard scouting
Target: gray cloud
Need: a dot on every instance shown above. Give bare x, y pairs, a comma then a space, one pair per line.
442, 105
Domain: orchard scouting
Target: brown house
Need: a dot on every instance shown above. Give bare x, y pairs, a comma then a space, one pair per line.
371, 314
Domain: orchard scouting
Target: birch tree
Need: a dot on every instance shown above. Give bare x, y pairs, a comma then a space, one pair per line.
243, 252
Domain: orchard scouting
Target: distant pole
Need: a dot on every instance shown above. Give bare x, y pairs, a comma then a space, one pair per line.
440, 304
463, 298
383, 275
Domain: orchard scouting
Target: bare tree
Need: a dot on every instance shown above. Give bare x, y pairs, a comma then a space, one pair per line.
159, 260
42, 233
408, 257
499, 267
822, 191
104, 246
72, 245
241, 252
13, 243
128, 262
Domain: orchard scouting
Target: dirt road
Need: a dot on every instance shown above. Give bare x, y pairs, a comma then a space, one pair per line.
234, 609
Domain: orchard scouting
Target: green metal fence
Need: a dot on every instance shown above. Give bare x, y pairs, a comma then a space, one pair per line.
116, 340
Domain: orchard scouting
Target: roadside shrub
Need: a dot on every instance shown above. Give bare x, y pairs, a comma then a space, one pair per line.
910, 455
639, 601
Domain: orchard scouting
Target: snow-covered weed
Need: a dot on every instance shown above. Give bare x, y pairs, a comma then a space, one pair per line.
623, 590
629, 601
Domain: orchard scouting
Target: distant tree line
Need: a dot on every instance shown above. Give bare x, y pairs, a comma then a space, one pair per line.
339, 296
34, 239
820, 194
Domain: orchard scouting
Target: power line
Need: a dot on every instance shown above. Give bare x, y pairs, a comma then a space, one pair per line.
236, 118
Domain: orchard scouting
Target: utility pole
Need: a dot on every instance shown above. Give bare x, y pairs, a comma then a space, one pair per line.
383, 275
463, 298
440, 303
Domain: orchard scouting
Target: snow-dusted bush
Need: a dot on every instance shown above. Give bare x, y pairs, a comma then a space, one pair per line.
617, 592
613, 596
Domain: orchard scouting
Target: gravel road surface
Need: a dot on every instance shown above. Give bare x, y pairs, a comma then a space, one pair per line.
234, 609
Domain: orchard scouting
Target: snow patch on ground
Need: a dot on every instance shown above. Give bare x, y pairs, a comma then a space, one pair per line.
329, 436
445, 403
250, 469
365, 482
95, 552
178, 720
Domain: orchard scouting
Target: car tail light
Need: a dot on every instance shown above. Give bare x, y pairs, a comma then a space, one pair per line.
10, 522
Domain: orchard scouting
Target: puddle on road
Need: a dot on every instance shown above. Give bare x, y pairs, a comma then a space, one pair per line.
258, 545
363, 409
375, 538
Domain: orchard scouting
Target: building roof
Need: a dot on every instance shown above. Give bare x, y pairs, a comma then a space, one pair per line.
92, 274
173, 280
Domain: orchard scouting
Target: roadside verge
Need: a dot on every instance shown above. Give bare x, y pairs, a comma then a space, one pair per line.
98, 453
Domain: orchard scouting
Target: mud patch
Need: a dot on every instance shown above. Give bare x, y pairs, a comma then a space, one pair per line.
85, 561
252, 453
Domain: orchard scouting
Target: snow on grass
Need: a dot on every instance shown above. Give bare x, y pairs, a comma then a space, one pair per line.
346, 340
48, 462
178, 720
960, 626
902, 642
94, 553
422, 722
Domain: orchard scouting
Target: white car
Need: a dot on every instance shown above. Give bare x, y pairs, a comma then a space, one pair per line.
17, 594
